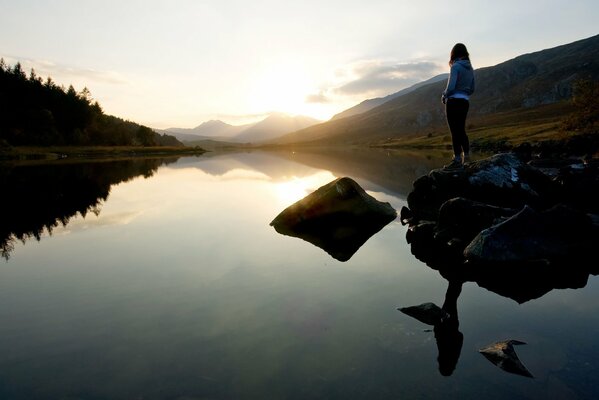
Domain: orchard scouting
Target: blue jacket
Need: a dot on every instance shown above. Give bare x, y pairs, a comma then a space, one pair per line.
460, 83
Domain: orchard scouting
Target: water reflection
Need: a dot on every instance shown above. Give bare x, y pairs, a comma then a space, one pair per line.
190, 294
446, 325
519, 281
40, 197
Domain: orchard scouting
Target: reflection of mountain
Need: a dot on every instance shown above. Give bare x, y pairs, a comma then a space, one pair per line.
379, 170
38, 197
391, 172
266, 163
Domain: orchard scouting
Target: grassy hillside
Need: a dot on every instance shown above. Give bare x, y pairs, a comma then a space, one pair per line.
526, 97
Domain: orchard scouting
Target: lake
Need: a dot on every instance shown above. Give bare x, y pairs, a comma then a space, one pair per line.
162, 279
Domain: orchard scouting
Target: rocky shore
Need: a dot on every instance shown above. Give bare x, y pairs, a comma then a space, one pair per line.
515, 225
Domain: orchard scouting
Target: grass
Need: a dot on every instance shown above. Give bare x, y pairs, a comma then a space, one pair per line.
509, 128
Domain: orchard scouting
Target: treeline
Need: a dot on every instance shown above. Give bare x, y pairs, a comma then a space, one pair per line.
37, 112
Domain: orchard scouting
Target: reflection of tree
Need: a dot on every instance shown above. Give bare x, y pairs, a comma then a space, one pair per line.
41, 197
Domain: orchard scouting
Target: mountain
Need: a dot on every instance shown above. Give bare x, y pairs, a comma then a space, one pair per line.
274, 126
369, 104
207, 130
528, 82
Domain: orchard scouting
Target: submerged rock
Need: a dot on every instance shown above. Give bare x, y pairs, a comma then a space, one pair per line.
339, 217
504, 356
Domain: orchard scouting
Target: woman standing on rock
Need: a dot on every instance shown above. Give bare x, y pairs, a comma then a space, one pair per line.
456, 98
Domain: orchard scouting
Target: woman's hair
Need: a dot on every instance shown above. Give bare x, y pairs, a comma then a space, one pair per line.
459, 51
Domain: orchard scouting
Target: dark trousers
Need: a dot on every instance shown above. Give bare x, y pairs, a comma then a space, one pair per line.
456, 111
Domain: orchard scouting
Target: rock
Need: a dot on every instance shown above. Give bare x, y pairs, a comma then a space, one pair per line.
503, 180
339, 217
560, 233
504, 356
517, 229
463, 219
427, 313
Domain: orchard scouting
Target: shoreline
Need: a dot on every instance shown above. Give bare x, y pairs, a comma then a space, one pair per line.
50, 153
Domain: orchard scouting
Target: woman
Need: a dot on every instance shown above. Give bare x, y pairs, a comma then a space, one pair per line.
456, 98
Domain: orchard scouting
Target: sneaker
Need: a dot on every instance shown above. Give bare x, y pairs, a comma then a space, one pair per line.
456, 163
466, 159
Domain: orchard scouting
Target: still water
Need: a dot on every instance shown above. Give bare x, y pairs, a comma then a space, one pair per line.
162, 279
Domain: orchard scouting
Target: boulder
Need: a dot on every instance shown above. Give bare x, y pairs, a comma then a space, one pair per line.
560, 233
463, 219
502, 180
339, 217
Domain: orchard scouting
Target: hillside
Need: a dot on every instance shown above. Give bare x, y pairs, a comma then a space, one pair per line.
526, 82
369, 104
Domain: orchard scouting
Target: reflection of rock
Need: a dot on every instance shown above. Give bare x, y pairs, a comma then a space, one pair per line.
503, 355
506, 225
427, 313
339, 217
446, 326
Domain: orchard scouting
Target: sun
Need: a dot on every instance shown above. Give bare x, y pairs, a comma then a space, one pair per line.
283, 86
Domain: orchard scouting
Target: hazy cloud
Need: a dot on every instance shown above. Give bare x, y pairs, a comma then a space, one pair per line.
317, 98
375, 77
66, 73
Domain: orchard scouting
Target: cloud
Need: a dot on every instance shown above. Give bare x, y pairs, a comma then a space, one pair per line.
317, 98
376, 77
65, 73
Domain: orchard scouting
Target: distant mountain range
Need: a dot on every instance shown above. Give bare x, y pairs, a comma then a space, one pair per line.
525, 82
272, 127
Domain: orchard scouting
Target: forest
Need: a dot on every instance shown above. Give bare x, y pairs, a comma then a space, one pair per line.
38, 112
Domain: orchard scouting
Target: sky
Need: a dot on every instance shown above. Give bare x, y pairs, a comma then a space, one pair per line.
179, 63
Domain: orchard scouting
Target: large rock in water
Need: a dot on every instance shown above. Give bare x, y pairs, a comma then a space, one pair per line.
339, 217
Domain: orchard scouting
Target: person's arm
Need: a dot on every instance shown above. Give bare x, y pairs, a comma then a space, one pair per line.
451, 82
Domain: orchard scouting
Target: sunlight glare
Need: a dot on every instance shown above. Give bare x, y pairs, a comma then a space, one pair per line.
281, 87
296, 188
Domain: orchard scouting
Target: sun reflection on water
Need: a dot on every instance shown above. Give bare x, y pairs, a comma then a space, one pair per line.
295, 188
